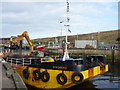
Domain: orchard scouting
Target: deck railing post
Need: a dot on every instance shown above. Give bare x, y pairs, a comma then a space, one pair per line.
23, 61
16, 62
11, 61
30, 60
7, 59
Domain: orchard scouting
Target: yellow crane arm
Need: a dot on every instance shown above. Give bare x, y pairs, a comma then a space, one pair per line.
29, 42
24, 34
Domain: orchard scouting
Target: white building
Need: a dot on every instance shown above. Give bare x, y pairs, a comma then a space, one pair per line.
83, 43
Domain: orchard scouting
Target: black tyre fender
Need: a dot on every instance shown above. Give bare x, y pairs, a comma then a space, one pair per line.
36, 77
77, 81
47, 76
59, 80
26, 73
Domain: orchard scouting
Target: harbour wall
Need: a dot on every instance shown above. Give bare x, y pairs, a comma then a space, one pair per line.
108, 53
10, 78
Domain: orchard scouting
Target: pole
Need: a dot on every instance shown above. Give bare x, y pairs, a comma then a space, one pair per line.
113, 55
61, 34
92, 41
67, 28
98, 40
112, 65
77, 41
77, 36
20, 49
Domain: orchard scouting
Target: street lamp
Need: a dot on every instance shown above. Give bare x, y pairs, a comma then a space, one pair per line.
61, 22
98, 39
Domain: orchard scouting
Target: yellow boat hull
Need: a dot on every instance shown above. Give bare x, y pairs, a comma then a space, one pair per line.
52, 82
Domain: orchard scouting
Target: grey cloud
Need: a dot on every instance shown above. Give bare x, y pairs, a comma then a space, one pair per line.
28, 13
42, 19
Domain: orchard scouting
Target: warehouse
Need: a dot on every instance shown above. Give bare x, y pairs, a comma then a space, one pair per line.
85, 43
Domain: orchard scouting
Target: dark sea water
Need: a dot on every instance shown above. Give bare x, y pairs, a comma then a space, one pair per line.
107, 81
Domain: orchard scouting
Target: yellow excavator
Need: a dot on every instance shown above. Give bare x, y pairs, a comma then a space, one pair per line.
20, 37
32, 51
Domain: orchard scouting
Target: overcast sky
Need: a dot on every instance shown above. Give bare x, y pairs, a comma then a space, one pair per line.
41, 19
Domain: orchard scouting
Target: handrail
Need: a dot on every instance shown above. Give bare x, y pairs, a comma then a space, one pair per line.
22, 60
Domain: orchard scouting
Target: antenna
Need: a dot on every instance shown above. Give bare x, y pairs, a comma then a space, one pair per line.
66, 55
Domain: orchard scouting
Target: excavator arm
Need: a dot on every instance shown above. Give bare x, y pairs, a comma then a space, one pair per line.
24, 34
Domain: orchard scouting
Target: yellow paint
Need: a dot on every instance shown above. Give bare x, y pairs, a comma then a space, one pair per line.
48, 59
10, 39
96, 70
106, 68
20, 37
52, 83
85, 74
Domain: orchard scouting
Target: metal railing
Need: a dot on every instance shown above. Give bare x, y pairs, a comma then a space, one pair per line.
23, 61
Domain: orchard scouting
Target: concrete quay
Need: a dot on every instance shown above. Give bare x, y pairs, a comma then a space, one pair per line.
10, 79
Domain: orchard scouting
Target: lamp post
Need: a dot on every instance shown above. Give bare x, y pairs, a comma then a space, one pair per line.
98, 39
92, 41
61, 22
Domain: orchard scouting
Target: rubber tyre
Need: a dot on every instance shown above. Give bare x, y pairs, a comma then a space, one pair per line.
63, 76
77, 81
46, 74
26, 73
35, 76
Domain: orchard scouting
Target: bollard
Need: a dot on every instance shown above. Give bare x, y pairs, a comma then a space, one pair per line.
6, 66
10, 72
113, 56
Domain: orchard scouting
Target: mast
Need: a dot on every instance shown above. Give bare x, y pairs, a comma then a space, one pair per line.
66, 55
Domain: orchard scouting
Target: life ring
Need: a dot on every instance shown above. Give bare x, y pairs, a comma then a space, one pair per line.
1, 54
61, 78
45, 76
56, 58
36, 74
77, 80
26, 73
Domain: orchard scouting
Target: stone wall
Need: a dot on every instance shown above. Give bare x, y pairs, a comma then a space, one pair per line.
108, 53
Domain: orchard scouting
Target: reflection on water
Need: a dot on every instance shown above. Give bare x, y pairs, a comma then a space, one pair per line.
110, 79
20, 52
